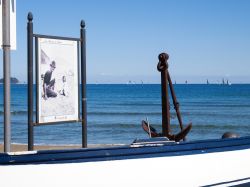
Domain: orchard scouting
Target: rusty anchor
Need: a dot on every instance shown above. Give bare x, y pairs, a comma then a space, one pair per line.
165, 82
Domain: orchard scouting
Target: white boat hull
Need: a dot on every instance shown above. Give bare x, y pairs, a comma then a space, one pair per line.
225, 168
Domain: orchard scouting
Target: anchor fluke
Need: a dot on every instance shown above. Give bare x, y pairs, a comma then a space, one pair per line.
152, 132
181, 135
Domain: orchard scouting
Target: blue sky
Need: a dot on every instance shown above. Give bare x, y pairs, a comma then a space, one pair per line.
205, 39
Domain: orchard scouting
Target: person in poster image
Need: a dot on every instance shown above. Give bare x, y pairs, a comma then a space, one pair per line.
64, 91
48, 84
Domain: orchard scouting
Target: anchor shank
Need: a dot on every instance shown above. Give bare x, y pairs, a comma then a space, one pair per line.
162, 67
165, 104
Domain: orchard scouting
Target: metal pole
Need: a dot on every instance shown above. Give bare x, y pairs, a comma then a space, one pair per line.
6, 73
162, 67
30, 81
83, 82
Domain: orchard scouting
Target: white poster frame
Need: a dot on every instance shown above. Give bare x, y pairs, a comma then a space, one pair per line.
60, 54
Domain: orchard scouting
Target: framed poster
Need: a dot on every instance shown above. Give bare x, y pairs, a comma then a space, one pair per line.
57, 80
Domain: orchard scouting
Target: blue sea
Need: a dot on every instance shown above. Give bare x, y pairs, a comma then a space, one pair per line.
115, 113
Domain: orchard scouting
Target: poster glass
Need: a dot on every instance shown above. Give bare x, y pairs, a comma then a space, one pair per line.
57, 65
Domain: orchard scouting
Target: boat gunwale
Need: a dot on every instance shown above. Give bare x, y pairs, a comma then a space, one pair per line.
126, 152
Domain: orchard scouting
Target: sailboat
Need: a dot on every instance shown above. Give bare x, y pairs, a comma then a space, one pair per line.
223, 81
228, 82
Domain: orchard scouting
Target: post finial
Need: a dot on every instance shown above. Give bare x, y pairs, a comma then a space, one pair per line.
30, 16
82, 24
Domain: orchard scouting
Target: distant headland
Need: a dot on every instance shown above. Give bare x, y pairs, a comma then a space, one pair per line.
13, 80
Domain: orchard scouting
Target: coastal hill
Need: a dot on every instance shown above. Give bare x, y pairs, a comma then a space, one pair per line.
13, 80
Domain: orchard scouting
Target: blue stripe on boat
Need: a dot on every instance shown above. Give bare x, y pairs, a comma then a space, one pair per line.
127, 152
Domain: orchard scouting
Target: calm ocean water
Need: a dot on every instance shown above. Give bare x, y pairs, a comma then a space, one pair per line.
115, 113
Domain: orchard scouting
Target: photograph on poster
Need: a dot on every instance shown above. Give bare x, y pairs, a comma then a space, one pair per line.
57, 80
